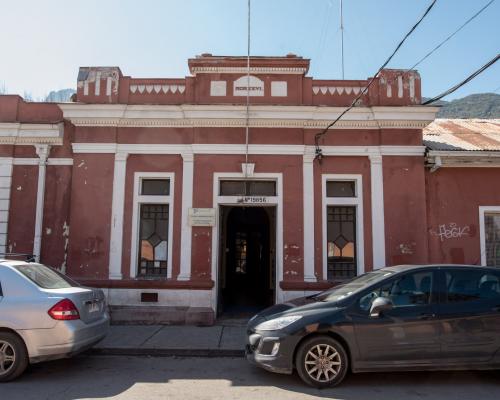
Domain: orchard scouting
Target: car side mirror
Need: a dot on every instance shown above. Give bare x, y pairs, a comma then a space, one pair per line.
379, 305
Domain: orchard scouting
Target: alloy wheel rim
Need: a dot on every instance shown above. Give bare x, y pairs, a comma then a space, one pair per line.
7, 357
323, 363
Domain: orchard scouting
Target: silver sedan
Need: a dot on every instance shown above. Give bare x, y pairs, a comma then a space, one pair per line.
44, 315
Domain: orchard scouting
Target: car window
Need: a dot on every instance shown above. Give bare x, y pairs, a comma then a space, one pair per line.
464, 285
45, 277
354, 285
411, 289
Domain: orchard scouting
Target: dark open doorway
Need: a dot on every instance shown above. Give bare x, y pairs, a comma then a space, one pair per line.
247, 260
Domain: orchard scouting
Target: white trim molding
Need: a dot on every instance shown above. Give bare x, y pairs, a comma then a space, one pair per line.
305, 117
378, 217
31, 134
244, 70
273, 201
278, 149
117, 208
459, 159
35, 161
145, 199
356, 201
42, 150
5, 187
187, 203
483, 210
308, 221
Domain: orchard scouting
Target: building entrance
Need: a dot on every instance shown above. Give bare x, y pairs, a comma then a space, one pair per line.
247, 259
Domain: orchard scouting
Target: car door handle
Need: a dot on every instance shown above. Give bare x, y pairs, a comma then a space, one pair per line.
426, 316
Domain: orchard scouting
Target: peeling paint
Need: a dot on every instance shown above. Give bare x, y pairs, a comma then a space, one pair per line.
65, 235
48, 231
19, 188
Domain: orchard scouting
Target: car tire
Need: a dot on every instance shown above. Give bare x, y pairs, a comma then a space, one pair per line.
13, 356
322, 362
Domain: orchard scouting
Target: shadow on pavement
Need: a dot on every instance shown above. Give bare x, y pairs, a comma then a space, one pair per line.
98, 377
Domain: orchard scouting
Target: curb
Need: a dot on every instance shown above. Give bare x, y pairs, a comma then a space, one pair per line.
153, 352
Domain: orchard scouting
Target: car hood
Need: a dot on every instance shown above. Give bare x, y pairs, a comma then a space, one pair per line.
298, 305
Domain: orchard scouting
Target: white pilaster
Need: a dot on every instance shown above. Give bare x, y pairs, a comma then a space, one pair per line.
5, 183
187, 203
378, 221
308, 188
118, 202
42, 150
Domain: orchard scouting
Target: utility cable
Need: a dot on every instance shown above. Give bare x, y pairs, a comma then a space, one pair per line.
318, 136
248, 99
451, 35
466, 80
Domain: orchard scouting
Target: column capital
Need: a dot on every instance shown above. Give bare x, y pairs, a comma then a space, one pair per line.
42, 151
121, 156
187, 156
309, 155
375, 158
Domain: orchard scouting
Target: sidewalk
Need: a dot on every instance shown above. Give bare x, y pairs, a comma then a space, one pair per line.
225, 339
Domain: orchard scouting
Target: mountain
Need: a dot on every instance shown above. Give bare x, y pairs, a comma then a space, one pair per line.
60, 96
481, 105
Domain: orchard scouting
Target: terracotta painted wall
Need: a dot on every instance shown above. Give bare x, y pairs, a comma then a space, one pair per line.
21, 228
56, 216
91, 196
453, 199
404, 209
152, 163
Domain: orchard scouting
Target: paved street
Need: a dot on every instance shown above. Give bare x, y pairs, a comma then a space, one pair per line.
144, 378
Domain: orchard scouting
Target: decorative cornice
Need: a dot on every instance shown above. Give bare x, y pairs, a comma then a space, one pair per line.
31, 134
253, 70
303, 117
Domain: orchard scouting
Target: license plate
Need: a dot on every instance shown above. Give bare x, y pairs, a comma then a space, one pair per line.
94, 307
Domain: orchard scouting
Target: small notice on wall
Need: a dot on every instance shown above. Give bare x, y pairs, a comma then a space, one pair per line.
202, 216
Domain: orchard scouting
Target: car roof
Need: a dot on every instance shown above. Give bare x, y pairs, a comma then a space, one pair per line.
11, 263
409, 267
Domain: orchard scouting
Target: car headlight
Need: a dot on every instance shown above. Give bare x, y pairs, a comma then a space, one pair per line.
277, 323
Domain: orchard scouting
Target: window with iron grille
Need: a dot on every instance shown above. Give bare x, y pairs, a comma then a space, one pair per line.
492, 238
341, 242
153, 239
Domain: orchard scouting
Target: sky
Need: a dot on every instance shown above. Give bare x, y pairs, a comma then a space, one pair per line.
43, 43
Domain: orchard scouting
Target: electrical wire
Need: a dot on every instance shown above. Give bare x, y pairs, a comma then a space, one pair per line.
318, 136
248, 99
466, 80
451, 35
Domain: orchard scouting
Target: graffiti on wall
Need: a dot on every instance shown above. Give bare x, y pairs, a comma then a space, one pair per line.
451, 231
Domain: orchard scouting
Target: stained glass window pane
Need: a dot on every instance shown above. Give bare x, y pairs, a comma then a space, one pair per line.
341, 242
153, 235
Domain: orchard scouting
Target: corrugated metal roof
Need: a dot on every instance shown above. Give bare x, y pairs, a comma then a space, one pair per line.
463, 135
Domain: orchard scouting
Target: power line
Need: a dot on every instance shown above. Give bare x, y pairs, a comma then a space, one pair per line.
466, 80
451, 35
318, 136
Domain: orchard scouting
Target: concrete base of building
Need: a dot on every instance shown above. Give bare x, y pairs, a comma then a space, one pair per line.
162, 315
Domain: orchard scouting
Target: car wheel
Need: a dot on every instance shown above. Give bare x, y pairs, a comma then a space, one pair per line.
321, 362
13, 356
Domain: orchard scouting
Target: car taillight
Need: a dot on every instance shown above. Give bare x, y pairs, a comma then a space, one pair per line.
64, 310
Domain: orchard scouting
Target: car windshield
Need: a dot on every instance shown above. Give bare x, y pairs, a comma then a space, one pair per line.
346, 289
45, 277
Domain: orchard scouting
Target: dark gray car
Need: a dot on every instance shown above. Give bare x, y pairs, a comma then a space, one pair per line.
432, 317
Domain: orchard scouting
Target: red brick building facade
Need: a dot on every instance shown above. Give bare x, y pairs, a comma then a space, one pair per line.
148, 187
